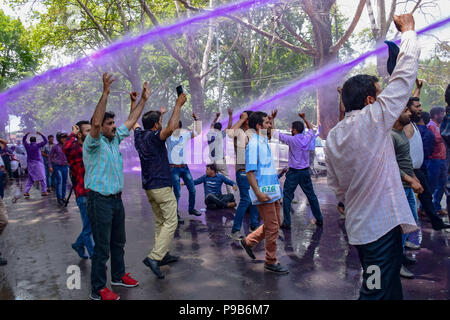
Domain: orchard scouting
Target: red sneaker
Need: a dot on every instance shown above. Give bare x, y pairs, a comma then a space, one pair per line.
126, 281
104, 294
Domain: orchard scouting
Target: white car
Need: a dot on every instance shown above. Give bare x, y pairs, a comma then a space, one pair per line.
319, 160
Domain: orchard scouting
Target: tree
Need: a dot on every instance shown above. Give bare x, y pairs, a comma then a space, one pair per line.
19, 57
321, 47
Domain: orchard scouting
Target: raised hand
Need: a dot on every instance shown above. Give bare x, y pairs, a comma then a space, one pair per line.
107, 81
75, 129
133, 96
194, 116
181, 100
37, 132
404, 22
419, 83
145, 91
301, 115
274, 113
339, 89
230, 111
163, 110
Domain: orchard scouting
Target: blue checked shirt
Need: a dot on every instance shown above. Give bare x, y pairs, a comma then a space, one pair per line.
258, 158
103, 163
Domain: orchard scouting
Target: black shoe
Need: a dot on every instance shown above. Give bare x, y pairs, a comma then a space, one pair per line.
285, 227
441, 226
195, 213
405, 273
167, 259
153, 265
247, 249
3, 262
408, 260
276, 268
180, 221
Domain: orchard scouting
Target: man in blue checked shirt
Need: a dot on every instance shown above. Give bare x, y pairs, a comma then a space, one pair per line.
104, 179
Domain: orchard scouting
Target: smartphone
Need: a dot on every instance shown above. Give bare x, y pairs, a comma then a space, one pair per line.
179, 90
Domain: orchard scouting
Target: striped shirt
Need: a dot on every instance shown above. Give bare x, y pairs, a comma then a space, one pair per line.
360, 157
103, 163
258, 158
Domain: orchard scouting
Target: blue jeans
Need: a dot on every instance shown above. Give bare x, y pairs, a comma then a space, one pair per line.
48, 175
61, 173
300, 177
414, 236
437, 177
244, 204
85, 238
185, 174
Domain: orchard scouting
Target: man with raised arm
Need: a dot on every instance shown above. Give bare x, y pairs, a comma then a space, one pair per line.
298, 173
104, 179
150, 144
35, 163
215, 138
363, 172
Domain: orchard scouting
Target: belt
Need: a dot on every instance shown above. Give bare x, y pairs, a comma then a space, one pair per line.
178, 165
294, 169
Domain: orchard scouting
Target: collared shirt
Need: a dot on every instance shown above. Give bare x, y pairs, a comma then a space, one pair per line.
103, 162
360, 159
74, 154
57, 156
213, 184
154, 159
176, 147
258, 158
416, 148
298, 147
439, 146
215, 141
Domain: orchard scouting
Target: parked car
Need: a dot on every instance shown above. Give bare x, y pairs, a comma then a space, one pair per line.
319, 160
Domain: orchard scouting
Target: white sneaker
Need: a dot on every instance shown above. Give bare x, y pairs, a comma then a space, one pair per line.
236, 235
410, 245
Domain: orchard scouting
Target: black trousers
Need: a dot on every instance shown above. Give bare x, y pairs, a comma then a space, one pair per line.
384, 255
426, 199
218, 201
107, 217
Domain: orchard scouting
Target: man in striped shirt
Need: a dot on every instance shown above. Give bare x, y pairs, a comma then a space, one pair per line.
363, 172
104, 179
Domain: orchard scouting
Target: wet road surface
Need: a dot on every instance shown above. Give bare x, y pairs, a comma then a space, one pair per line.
322, 265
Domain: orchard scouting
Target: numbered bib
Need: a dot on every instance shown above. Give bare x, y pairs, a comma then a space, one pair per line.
273, 191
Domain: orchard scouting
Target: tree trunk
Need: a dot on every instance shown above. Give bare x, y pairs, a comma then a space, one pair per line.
197, 98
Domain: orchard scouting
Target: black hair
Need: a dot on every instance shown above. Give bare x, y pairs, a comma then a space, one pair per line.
79, 124
218, 126
298, 125
356, 90
50, 136
212, 166
435, 111
33, 139
150, 118
447, 95
256, 118
411, 100
108, 115
425, 117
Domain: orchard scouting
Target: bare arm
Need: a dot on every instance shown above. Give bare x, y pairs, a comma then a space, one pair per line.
215, 120
419, 84
262, 197
174, 119
230, 118
136, 112
100, 110
415, 184
308, 124
197, 126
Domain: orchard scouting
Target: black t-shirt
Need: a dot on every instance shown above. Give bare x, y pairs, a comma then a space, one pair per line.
154, 160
